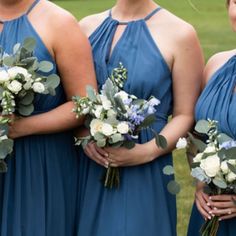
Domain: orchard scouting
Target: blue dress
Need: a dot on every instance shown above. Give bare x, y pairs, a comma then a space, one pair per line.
142, 205
38, 192
218, 102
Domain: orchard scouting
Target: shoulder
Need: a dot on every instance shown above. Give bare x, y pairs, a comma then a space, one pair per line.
90, 23
56, 17
216, 62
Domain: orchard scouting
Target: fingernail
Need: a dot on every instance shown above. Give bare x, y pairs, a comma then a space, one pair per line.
220, 219
208, 204
210, 212
210, 198
106, 154
209, 217
215, 208
107, 163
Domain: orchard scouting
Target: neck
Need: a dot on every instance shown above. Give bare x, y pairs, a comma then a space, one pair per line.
133, 9
12, 8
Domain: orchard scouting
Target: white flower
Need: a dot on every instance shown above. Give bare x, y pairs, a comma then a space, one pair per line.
154, 101
4, 137
15, 86
123, 128
98, 111
38, 87
14, 71
211, 165
231, 177
123, 95
105, 102
107, 129
224, 167
210, 149
182, 143
198, 157
4, 77
95, 126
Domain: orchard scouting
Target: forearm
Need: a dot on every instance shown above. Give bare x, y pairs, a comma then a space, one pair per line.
176, 128
57, 120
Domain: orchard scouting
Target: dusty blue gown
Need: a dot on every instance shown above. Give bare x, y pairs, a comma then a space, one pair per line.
142, 205
38, 192
218, 102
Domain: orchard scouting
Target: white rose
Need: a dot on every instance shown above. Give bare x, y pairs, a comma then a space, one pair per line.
123, 95
107, 129
123, 128
211, 165
105, 102
95, 126
38, 87
14, 71
198, 157
224, 167
98, 111
182, 143
15, 86
210, 149
231, 177
4, 77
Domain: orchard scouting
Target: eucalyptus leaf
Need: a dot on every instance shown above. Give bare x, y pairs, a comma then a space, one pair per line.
29, 62
91, 94
202, 126
98, 136
52, 81
25, 110
45, 66
150, 119
231, 153
119, 103
232, 168
220, 183
29, 44
27, 99
173, 187
9, 61
160, 141
201, 146
129, 144
116, 138
6, 147
223, 138
101, 142
168, 170
50, 91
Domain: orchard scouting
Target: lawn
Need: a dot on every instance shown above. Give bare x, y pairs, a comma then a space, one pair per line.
209, 17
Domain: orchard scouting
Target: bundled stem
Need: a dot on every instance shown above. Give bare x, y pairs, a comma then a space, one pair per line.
210, 227
112, 178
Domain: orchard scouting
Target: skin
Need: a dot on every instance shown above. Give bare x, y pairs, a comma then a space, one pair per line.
179, 48
72, 55
219, 205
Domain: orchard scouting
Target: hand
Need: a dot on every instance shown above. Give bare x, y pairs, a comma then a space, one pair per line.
15, 127
97, 154
202, 201
223, 206
128, 157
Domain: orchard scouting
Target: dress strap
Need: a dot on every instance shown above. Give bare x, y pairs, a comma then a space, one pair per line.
152, 13
32, 6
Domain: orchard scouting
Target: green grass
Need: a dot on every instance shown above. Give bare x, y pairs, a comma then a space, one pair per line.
209, 17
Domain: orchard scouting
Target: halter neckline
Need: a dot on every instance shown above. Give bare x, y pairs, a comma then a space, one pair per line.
145, 18
26, 13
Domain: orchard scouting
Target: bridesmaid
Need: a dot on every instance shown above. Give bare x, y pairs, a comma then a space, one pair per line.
218, 102
163, 62
38, 194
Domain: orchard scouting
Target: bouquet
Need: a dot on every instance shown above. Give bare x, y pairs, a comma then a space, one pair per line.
115, 118
214, 165
20, 79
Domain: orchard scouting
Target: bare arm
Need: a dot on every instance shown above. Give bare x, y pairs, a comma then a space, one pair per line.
74, 60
